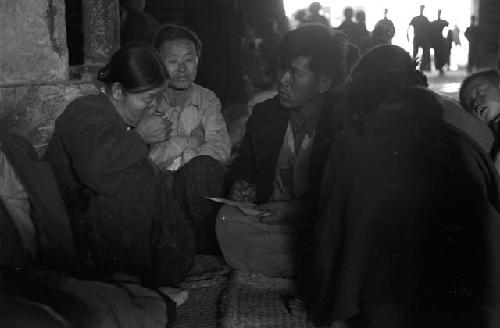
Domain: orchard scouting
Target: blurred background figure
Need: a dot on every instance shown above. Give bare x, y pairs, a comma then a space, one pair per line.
473, 35
136, 26
350, 27
300, 17
385, 28
314, 15
361, 25
382, 34
437, 29
421, 26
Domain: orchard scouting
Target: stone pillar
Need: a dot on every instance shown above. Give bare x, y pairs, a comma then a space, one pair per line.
32, 41
101, 30
34, 85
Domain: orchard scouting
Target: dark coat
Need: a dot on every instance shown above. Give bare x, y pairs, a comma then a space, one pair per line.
265, 132
55, 243
119, 204
409, 219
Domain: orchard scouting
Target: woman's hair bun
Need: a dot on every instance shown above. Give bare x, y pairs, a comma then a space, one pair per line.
103, 73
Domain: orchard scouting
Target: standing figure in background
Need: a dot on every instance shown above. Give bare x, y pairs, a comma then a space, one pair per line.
199, 146
438, 42
314, 15
421, 27
363, 33
136, 26
473, 35
300, 17
386, 28
350, 28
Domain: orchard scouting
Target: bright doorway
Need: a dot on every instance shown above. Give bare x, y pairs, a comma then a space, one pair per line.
456, 12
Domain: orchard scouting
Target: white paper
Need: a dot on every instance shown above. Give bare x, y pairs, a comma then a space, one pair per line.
246, 207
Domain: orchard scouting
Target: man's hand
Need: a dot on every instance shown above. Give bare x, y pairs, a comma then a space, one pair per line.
198, 136
242, 191
153, 128
276, 212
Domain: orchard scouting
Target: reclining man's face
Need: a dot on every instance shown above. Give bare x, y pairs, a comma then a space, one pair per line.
486, 101
298, 85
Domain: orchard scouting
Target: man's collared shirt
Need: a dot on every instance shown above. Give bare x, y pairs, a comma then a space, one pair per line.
201, 110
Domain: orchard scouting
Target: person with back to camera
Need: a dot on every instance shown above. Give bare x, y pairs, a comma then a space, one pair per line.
199, 146
409, 211
124, 218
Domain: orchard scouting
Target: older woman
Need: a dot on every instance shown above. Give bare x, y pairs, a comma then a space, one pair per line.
200, 146
118, 202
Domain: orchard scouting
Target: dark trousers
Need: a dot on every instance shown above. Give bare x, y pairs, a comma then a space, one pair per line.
426, 55
440, 54
201, 177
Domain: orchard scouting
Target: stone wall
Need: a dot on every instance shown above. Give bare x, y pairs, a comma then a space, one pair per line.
34, 83
33, 41
31, 109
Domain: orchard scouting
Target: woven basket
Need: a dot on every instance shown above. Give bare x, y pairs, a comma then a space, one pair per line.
253, 300
201, 310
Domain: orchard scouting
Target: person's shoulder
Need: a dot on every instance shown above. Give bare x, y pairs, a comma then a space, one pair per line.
95, 106
267, 107
203, 93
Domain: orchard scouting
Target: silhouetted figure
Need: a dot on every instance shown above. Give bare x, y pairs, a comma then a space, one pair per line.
385, 28
361, 24
449, 46
438, 42
136, 26
300, 16
421, 38
350, 28
456, 36
315, 17
380, 36
473, 35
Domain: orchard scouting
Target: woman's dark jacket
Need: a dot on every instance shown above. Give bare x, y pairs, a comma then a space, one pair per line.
119, 204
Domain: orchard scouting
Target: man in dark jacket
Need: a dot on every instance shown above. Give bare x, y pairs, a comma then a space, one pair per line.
282, 154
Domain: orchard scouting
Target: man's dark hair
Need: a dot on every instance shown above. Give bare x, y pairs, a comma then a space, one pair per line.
325, 49
491, 76
171, 32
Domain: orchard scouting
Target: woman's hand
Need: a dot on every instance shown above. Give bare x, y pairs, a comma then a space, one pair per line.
153, 128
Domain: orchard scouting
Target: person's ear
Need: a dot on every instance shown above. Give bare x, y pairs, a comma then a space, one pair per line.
116, 91
325, 83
